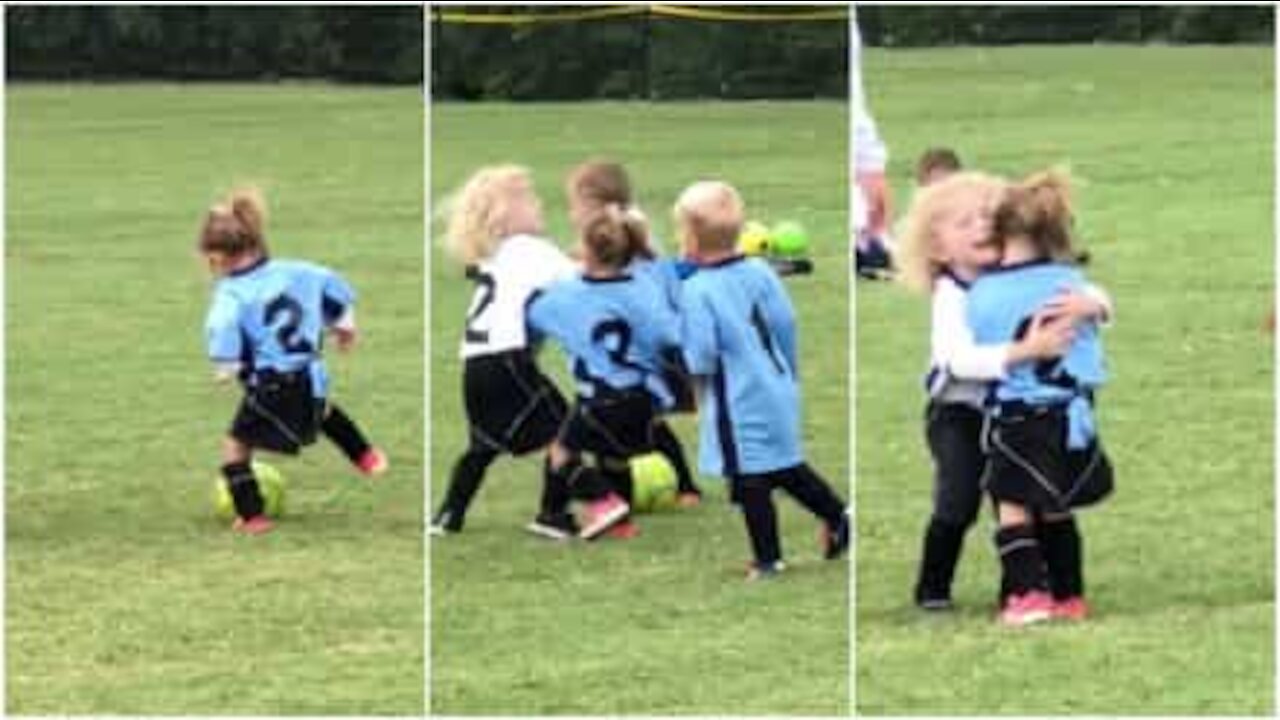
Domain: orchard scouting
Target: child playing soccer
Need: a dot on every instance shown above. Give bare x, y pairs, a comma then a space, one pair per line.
616, 328
592, 187
495, 230
266, 327
945, 246
1045, 455
739, 340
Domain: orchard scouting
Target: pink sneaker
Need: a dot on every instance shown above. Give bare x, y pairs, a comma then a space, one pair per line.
1026, 609
603, 514
1073, 608
256, 525
373, 463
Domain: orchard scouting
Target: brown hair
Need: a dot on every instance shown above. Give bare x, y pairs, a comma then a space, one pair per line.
596, 183
235, 226
614, 237
1039, 208
937, 158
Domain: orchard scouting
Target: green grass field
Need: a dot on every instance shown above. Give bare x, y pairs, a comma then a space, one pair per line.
1174, 148
663, 624
124, 595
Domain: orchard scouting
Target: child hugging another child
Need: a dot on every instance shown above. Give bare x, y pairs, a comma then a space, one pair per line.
945, 246
266, 327
1045, 455
495, 230
739, 341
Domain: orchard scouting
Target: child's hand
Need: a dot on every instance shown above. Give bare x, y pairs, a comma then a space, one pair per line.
1048, 336
225, 373
344, 338
1075, 305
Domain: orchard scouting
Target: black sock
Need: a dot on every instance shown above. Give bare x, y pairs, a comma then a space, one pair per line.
244, 488
464, 481
555, 492
1021, 560
1063, 556
617, 473
583, 482
669, 445
342, 430
755, 496
811, 491
942, 544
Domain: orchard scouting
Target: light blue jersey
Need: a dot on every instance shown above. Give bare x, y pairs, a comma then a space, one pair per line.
1002, 303
272, 316
739, 338
615, 331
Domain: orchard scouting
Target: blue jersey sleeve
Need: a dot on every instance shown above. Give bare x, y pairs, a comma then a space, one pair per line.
337, 296
698, 335
224, 339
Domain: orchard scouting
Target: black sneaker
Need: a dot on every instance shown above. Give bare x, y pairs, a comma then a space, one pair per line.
560, 526
873, 261
835, 540
445, 523
935, 604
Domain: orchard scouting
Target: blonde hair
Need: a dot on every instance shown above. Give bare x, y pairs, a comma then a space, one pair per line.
1039, 208
236, 226
480, 213
916, 257
710, 213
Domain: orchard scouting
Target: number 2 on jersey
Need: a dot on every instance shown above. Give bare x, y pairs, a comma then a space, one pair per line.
488, 288
287, 334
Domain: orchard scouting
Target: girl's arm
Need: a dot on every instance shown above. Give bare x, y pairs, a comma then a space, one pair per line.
956, 350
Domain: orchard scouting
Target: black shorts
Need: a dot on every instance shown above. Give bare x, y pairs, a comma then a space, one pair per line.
279, 413
1030, 464
954, 433
613, 425
511, 406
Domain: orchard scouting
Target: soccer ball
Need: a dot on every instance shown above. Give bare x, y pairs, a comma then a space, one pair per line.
789, 239
754, 239
653, 483
270, 484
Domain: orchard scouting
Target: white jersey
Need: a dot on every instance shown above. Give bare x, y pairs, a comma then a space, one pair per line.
521, 266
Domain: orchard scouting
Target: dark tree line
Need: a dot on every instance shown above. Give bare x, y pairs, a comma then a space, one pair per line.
350, 44
924, 26
637, 56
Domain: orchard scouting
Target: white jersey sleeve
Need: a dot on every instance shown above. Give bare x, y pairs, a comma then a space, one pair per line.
869, 153
960, 368
504, 284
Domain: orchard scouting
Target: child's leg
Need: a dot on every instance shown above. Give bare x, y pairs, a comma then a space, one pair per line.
605, 508
954, 436
669, 445
342, 430
464, 482
617, 474
238, 472
811, 491
1060, 538
1021, 557
755, 494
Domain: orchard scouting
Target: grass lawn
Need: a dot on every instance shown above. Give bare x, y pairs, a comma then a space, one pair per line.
124, 595
1173, 147
663, 624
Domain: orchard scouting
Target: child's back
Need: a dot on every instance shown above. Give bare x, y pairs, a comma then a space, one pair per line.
739, 332
271, 316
